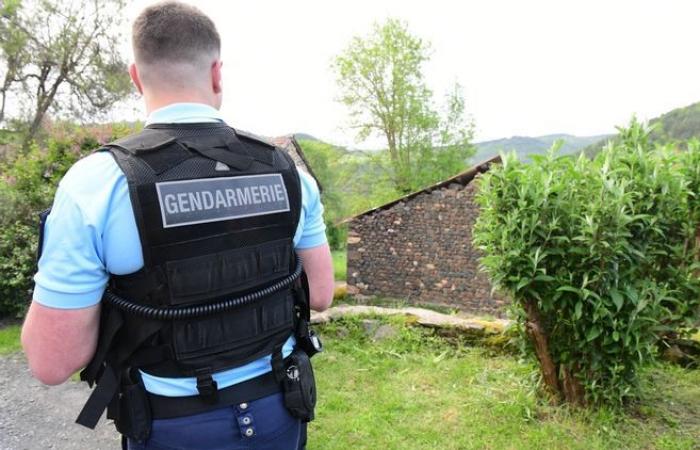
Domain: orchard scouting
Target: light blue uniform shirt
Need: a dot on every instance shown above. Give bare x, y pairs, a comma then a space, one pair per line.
91, 232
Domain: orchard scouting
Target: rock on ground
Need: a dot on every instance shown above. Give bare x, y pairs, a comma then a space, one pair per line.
38, 417
378, 331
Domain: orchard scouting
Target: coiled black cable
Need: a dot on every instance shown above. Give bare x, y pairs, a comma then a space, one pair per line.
188, 312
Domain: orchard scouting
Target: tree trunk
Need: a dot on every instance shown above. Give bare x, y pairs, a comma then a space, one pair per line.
572, 388
697, 248
2, 106
539, 339
43, 103
41, 109
39, 114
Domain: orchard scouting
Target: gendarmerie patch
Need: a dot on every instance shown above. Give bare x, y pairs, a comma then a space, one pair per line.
206, 200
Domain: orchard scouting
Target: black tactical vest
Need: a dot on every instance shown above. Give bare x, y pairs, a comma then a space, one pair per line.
216, 212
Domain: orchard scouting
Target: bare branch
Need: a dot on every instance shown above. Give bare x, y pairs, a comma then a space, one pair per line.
68, 58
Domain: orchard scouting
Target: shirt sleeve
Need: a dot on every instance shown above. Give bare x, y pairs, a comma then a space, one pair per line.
311, 231
71, 273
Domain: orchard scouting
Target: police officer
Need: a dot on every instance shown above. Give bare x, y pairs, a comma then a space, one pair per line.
170, 265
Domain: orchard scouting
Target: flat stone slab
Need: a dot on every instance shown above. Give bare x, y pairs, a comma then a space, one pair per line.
425, 317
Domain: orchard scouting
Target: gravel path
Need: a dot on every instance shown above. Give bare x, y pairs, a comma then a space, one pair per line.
34, 416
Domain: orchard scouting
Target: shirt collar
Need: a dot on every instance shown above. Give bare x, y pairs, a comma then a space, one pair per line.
185, 113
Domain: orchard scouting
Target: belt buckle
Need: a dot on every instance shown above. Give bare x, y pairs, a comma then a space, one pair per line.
206, 386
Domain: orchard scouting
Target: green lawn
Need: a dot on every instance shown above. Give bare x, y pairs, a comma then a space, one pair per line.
340, 264
9, 339
417, 391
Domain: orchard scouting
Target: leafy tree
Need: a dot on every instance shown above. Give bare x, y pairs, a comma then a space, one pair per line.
62, 57
381, 81
323, 158
350, 183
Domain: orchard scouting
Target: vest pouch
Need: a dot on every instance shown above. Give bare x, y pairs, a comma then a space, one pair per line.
134, 414
299, 386
239, 335
202, 278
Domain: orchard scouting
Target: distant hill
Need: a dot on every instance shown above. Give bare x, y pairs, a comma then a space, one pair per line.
678, 125
525, 146
305, 137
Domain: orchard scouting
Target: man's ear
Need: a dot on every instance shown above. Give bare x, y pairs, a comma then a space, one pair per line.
134, 74
216, 82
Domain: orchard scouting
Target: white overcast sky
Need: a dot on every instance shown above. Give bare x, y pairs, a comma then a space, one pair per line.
527, 67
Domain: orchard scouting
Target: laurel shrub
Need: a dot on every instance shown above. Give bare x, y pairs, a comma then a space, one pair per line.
599, 257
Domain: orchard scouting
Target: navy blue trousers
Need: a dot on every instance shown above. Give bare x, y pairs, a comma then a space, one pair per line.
259, 424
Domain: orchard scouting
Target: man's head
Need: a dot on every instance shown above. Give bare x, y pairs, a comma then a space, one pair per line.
176, 52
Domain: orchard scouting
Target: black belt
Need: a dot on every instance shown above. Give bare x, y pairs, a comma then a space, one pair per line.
170, 407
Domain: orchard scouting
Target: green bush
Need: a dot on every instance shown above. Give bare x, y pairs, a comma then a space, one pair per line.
596, 256
18, 243
663, 183
337, 235
27, 187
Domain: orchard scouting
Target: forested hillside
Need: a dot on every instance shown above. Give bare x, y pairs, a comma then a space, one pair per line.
676, 126
680, 124
524, 145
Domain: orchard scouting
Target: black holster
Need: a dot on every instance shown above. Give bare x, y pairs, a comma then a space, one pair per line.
131, 410
299, 386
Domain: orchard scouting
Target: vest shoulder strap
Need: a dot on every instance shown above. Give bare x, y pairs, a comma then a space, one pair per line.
254, 138
147, 139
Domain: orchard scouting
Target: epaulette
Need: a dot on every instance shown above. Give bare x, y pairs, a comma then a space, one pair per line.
254, 138
145, 140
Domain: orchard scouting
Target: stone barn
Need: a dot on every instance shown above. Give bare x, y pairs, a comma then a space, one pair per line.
419, 248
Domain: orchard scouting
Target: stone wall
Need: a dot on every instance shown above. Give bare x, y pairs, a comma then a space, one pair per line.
420, 250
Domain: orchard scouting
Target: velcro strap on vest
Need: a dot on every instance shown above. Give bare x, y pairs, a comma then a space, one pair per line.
108, 375
277, 362
99, 399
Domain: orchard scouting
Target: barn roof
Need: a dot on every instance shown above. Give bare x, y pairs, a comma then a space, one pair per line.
289, 144
463, 178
